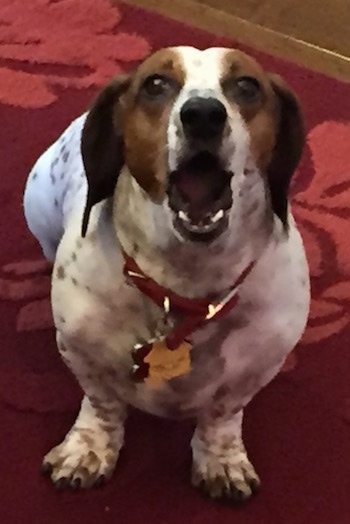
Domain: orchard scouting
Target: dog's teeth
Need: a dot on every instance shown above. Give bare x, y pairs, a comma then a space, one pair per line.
218, 216
204, 226
183, 216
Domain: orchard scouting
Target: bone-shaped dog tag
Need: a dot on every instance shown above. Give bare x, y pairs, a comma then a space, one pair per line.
165, 363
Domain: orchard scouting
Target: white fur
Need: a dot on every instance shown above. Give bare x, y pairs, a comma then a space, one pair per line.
100, 317
203, 72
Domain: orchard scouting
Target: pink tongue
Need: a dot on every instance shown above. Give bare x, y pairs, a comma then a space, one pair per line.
195, 188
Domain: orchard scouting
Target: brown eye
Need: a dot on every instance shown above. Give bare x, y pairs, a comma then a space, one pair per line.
247, 89
156, 86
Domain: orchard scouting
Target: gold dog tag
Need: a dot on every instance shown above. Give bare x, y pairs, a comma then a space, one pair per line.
165, 364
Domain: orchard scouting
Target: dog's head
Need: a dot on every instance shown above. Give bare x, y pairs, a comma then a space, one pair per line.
188, 124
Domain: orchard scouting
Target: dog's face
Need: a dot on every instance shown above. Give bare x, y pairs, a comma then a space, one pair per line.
190, 125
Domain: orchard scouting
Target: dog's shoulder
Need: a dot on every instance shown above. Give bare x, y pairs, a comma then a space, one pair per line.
277, 295
281, 266
89, 267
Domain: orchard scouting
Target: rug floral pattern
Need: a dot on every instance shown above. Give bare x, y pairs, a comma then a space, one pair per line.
45, 49
52, 55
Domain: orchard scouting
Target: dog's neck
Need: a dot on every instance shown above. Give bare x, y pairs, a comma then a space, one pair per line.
145, 232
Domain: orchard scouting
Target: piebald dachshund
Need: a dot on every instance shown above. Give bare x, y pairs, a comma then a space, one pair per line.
180, 282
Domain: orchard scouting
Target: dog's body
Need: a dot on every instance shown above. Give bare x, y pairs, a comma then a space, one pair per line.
100, 317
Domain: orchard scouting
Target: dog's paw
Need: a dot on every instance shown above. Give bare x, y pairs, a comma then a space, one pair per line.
230, 476
83, 460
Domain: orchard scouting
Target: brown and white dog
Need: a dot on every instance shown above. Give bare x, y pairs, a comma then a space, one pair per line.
181, 171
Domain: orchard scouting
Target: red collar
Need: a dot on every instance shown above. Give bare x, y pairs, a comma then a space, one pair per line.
195, 311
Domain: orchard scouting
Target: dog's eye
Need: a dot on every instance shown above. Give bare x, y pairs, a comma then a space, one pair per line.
156, 86
247, 89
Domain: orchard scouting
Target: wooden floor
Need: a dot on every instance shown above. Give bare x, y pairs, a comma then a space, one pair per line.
314, 33
323, 23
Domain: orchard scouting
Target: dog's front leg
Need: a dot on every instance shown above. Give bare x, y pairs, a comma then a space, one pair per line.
88, 454
220, 464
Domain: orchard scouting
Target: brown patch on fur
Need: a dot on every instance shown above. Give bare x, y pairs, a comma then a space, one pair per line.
60, 273
145, 122
93, 236
135, 249
260, 115
221, 393
61, 347
74, 281
164, 61
86, 437
219, 411
105, 417
262, 130
126, 127
110, 457
275, 125
228, 442
222, 402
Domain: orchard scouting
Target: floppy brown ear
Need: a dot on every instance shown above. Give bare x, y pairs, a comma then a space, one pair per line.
102, 146
288, 148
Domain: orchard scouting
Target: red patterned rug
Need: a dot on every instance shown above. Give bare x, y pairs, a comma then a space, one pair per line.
53, 56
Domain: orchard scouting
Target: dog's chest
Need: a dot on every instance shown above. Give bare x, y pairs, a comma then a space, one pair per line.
104, 317
111, 328
184, 395
222, 353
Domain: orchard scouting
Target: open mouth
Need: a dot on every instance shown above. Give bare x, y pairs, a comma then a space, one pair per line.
200, 197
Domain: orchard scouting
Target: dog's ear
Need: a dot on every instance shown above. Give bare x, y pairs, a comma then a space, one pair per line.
102, 145
288, 147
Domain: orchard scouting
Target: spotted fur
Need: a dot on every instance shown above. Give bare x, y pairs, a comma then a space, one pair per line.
99, 317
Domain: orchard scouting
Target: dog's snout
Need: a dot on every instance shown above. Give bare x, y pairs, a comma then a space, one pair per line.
203, 118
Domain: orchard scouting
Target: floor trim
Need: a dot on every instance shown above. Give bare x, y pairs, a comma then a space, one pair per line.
278, 44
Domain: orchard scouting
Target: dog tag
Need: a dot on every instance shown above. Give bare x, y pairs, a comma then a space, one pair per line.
165, 364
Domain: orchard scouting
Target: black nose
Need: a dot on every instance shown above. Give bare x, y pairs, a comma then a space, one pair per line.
203, 118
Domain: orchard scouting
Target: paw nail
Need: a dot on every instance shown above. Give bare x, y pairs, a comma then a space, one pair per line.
254, 485
61, 483
76, 484
100, 481
46, 468
239, 496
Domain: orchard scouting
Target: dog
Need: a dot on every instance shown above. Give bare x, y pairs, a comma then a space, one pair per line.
180, 282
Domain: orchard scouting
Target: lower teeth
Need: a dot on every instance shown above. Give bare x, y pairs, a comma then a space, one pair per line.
213, 219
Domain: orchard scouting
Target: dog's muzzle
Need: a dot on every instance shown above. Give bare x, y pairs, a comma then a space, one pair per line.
200, 197
199, 189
